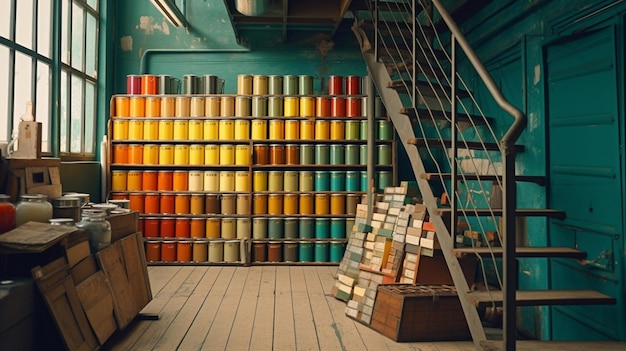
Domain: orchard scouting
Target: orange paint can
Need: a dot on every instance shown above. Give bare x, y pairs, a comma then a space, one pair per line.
151, 227
165, 180
151, 205
122, 106
180, 181
197, 227
153, 106
167, 203
153, 251
134, 181
135, 154
120, 154
182, 203
137, 202
137, 106
183, 227
196, 204
168, 106
168, 251
168, 227
183, 251
149, 180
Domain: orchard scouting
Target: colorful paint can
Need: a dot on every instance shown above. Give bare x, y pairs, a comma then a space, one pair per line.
338, 228
307, 129
307, 154
182, 226
137, 106
353, 85
337, 107
275, 228
228, 204
227, 154
275, 106
352, 154
226, 129
259, 251
134, 180
259, 129
275, 85
151, 129
242, 181
242, 154
151, 227
244, 84
385, 130
305, 85
166, 154
291, 180
337, 154
243, 204
227, 181
196, 204
181, 154
168, 251
337, 130
211, 129
274, 251
118, 180
200, 250
213, 227
290, 85
151, 203
322, 228
229, 228
181, 203
307, 106
353, 107
306, 204
337, 204
384, 180
305, 251
212, 106
259, 228
322, 181
322, 204
290, 204
168, 203
166, 129
292, 154
165, 180
197, 106
277, 129
216, 251
120, 129
227, 106
231, 250
335, 85
337, 181
137, 202
322, 154
337, 249
211, 154
242, 129
383, 154
168, 227
183, 106
277, 154
259, 106
259, 85
211, 180
275, 204
352, 130
307, 181
322, 106
259, 180
135, 129
168, 106
363, 155
291, 106
275, 180
259, 204
322, 130
290, 251
212, 204
321, 251
196, 154
181, 130
353, 181
306, 228
242, 106
292, 129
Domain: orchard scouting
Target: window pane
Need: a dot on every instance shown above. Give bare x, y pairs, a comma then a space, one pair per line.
5, 21
44, 27
91, 52
65, 30
4, 94
76, 113
64, 115
42, 108
90, 117
23, 79
24, 27
93, 4
78, 37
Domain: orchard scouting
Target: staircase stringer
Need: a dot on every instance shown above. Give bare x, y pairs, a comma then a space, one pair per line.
404, 128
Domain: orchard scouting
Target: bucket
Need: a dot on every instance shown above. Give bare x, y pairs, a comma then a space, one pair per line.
322, 181
384, 179
337, 250
122, 106
259, 106
211, 129
322, 154
352, 154
277, 154
274, 251
168, 106
337, 130
168, 251
291, 106
242, 155
307, 130
195, 181
353, 181
307, 154
364, 181
118, 180
259, 252
183, 227
196, 204
338, 228
290, 85
181, 130
305, 85
226, 129
166, 130
120, 129
212, 204
151, 129
137, 106
353, 107
322, 228
352, 130
306, 204
385, 130
337, 204
322, 204
165, 180
181, 181
290, 251
135, 154
167, 228
290, 204
384, 154
200, 251
259, 228
259, 204
167, 203
353, 85
322, 106
211, 154
134, 180
290, 182
277, 129
244, 84
307, 106
243, 228
305, 252
260, 154
229, 228
151, 204
292, 129
196, 154
231, 250
275, 180
363, 130
275, 85
212, 229
321, 251
216, 251
352, 200
196, 129
322, 130
363, 155
211, 180
275, 204
259, 180
307, 182
153, 251
275, 228
242, 106
212, 106
227, 154
290, 228
197, 228
182, 203
181, 154
306, 228
335, 85
151, 227
242, 129
228, 204
337, 154
242, 181
243, 204
259, 129
337, 107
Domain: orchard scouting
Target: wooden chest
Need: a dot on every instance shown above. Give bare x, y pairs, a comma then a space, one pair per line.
404, 312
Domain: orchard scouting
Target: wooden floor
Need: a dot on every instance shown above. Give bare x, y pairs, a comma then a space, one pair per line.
252, 308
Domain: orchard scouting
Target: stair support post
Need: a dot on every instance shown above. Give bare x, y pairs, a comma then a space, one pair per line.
508, 234
454, 136
371, 120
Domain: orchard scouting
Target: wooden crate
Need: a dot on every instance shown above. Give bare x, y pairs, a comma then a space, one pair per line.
404, 312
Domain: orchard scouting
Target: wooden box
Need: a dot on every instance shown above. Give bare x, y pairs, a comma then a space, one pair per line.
405, 312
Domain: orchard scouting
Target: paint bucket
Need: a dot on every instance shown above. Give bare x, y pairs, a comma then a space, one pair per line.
290, 204
383, 154
211, 154
166, 129
212, 204
277, 129
305, 251
259, 252
290, 251
292, 154
259, 180
153, 251
137, 106
227, 154
166, 154
337, 204
212, 106
337, 249
292, 129
119, 180
231, 251
168, 106
151, 203
181, 154
363, 130
151, 130
227, 181
322, 228
338, 228
122, 106
135, 130
275, 106
337, 130
133, 84
275, 180
196, 154
183, 106
229, 228
181, 130
182, 227
384, 180
228, 204
259, 106
181, 203
274, 251
322, 204
290, 85
211, 84
211, 180
151, 154
275, 228
244, 84
167, 227
192, 84
242, 181
322, 130
275, 85
242, 106
306, 228
353, 181
181, 181
197, 228
335, 85
227, 106
322, 154
337, 107
291, 106
307, 154
353, 107
216, 251
337, 154
363, 159
167, 203
242, 129
260, 154
322, 181
277, 154
305, 85
196, 204
321, 251
120, 129
197, 106
353, 85
149, 180
168, 251
352, 130
290, 180
307, 181
213, 226
337, 180
200, 251
364, 181
243, 228
259, 85
307, 106
196, 130
226, 129
275, 204
352, 154
243, 204
290, 228
134, 181
307, 129
242, 154
259, 228
352, 200
165, 180
135, 154
259, 129
211, 130
384, 130
259, 204
306, 204
322, 106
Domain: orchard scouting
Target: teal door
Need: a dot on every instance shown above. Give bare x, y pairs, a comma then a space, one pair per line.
585, 179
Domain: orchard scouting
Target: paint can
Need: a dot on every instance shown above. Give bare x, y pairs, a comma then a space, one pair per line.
275, 204
306, 228
307, 129
274, 251
259, 204
275, 228
151, 203
151, 129
322, 228
136, 202
277, 129
305, 251
337, 130
322, 106
337, 154
352, 130
168, 251
183, 106
226, 129
335, 85
227, 154
364, 181
167, 203
135, 129
321, 251
216, 250
211, 154
383, 154
181, 129
385, 130
181, 203
213, 227
275, 85
151, 227
290, 251
244, 84
228, 204
305, 85
227, 106
322, 129
196, 204
259, 129
307, 181
363, 159
182, 226
165, 180
200, 250
275, 106
242, 181
291, 106
259, 228
259, 251
353, 181
306, 204
243, 204
290, 85
137, 106
322, 154
120, 129
210, 84
212, 204
353, 85
353, 107
352, 154
307, 106
166, 129
196, 154
292, 154
337, 249
168, 227
337, 107
210, 130
196, 108
212, 106
337, 181
133, 84
242, 106
231, 251
259, 106
385, 179
307, 154
291, 180
292, 129
134, 180
181, 154
192, 84
149, 180
321, 204
363, 130
275, 180
259, 180
259, 85
260, 154
196, 129
337, 204
227, 181
290, 204
242, 154
229, 228
322, 181
337, 228
211, 180
135, 154
277, 154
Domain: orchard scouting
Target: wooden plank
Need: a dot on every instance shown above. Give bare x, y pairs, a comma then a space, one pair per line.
160, 276
190, 312
543, 297
529, 345
243, 323
565, 252
264, 316
97, 301
111, 260
322, 316
306, 326
284, 328
136, 269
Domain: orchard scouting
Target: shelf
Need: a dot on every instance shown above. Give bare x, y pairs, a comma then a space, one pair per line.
311, 192
180, 215
243, 95
293, 263
265, 240
161, 239
341, 216
194, 263
182, 167
248, 141
203, 192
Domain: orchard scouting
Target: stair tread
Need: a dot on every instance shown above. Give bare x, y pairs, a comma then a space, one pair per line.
545, 345
543, 297
401, 85
541, 180
566, 252
443, 115
475, 145
520, 212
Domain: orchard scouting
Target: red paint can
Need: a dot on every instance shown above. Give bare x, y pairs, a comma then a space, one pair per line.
353, 107
337, 107
322, 106
133, 84
149, 84
335, 85
353, 85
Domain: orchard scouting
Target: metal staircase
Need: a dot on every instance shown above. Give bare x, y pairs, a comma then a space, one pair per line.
413, 50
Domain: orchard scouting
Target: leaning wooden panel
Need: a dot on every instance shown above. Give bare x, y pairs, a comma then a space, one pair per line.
95, 296
136, 269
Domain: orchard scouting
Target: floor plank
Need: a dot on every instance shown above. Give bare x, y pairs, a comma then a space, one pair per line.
263, 333
284, 329
323, 318
306, 336
243, 324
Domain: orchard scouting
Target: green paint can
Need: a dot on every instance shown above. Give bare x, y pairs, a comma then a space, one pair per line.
259, 106
275, 228
290, 85
307, 154
322, 228
291, 228
383, 154
321, 252
275, 85
307, 181
363, 130
353, 181
385, 130
338, 228
305, 86
322, 181
305, 251
306, 228
259, 228
290, 251
385, 179
364, 181
352, 154
275, 106
322, 154
363, 154
337, 181
352, 130
336, 154
336, 251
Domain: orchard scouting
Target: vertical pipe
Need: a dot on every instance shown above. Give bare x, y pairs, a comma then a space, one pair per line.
11, 100
454, 136
55, 118
414, 58
509, 270
371, 120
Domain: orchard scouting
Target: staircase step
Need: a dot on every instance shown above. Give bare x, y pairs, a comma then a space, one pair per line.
540, 180
564, 252
413, 113
391, 54
534, 345
402, 86
473, 145
482, 299
520, 212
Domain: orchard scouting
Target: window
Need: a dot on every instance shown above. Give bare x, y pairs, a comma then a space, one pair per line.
27, 69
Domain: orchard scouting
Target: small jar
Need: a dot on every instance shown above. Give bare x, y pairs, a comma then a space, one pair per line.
33, 207
62, 221
97, 227
7, 214
66, 207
